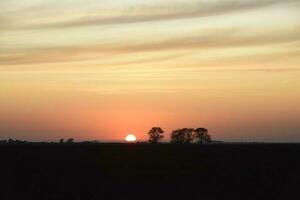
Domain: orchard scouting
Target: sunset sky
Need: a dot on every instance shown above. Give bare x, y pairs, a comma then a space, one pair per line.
101, 69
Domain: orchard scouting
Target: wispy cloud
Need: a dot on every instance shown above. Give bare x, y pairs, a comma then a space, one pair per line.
213, 39
141, 12
80, 66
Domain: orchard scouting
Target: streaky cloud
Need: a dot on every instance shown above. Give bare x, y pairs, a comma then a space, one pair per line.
214, 39
150, 13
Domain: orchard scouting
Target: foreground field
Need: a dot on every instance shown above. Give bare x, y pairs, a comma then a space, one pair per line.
141, 171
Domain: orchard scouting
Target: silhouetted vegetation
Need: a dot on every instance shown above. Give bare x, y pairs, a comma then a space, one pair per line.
12, 141
188, 135
181, 136
202, 136
70, 140
155, 135
177, 136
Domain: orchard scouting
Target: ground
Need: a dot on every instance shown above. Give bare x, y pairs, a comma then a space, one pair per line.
144, 171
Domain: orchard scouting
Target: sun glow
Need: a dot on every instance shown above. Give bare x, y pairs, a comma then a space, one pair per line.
130, 138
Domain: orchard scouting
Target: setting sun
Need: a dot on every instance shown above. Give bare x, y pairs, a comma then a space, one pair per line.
130, 138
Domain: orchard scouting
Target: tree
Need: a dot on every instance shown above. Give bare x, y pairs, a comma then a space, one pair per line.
188, 135
155, 135
201, 134
70, 140
177, 136
180, 136
61, 141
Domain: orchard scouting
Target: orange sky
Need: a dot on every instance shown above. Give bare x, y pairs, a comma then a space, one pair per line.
102, 70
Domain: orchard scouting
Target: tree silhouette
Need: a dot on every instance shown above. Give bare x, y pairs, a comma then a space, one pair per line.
61, 141
70, 140
201, 134
188, 135
177, 136
155, 135
180, 136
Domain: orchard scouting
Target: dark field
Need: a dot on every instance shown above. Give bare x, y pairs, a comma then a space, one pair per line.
141, 171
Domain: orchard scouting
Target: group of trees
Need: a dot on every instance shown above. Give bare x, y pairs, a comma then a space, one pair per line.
11, 141
70, 140
178, 136
181, 136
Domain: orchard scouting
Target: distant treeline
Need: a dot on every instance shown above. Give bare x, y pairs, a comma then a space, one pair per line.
60, 141
181, 136
11, 141
156, 134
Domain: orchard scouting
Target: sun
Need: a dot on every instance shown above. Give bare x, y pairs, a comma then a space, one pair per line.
130, 138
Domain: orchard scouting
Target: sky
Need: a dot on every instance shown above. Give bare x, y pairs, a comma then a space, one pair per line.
101, 69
